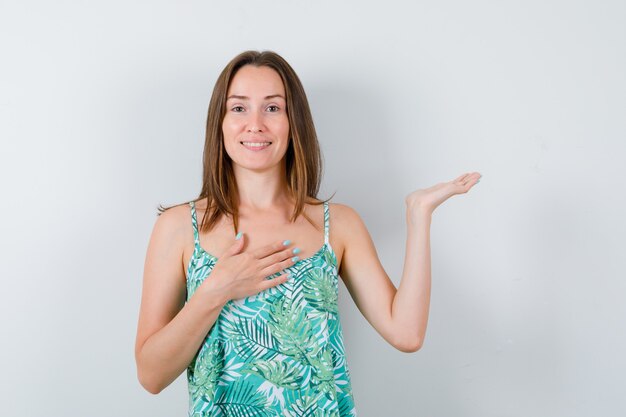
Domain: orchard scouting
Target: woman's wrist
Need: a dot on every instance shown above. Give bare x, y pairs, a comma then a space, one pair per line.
214, 297
418, 214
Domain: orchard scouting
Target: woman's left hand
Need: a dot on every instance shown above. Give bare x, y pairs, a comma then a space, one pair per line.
428, 199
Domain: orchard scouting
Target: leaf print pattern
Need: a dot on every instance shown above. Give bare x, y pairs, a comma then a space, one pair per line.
320, 292
323, 376
241, 400
277, 353
277, 372
251, 338
293, 331
203, 380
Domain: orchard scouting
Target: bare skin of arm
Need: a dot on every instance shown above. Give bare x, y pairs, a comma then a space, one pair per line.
170, 332
399, 315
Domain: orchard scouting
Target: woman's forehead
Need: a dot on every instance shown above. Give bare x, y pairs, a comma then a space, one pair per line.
256, 82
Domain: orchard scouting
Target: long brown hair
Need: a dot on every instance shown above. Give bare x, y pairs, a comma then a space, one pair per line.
303, 158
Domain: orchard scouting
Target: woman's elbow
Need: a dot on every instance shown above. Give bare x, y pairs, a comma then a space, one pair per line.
409, 345
149, 384
151, 387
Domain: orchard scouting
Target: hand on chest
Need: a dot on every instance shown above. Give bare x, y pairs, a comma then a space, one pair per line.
260, 232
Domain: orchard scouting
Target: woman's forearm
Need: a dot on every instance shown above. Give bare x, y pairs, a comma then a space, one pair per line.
412, 300
166, 354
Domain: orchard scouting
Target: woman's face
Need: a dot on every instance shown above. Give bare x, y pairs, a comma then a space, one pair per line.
256, 127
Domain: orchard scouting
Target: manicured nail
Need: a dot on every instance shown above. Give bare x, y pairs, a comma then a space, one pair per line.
238, 236
295, 259
478, 181
296, 250
286, 242
289, 277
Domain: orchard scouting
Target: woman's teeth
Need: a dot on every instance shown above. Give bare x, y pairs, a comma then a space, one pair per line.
256, 144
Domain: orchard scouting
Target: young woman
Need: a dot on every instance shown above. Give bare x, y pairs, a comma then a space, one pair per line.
246, 299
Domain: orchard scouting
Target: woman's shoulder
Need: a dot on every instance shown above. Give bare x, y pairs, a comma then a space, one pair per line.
175, 220
345, 224
177, 211
172, 230
343, 215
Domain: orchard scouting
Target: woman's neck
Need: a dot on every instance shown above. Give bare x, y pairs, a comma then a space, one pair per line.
262, 191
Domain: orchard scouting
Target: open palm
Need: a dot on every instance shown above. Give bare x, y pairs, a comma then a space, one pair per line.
428, 199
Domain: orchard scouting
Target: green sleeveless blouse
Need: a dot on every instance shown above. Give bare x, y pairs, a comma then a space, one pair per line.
277, 353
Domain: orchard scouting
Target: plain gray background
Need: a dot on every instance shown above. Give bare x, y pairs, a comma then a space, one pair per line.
103, 111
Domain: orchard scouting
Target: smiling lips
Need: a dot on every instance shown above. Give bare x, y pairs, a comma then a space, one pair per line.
256, 146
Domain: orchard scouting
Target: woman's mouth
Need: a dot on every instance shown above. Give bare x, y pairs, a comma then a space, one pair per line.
256, 146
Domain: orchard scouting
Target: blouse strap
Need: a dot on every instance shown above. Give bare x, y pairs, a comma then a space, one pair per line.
326, 221
194, 223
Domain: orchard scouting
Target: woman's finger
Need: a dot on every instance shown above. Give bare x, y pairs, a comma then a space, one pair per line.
269, 283
277, 257
462, 178
236, 247
279, 266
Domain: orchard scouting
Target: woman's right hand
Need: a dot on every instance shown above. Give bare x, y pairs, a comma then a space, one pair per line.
238, 274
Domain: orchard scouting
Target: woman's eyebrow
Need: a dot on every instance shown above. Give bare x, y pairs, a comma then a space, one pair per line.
247, 98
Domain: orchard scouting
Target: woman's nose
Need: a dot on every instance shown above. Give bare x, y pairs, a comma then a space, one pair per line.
255, 122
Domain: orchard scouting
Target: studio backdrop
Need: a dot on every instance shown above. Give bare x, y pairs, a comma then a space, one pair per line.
103, 110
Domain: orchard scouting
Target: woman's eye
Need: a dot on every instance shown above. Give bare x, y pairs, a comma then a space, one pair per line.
237, 109
275, 108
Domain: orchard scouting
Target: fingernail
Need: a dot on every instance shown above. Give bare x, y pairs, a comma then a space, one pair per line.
295, 258
478, 181
238, 236
286, 242
289, 276
296, 250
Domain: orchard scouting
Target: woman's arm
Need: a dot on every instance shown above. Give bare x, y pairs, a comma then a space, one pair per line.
170, 332
399, 315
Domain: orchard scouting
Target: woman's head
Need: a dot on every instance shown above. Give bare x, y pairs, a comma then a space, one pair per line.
255, 127
302, 158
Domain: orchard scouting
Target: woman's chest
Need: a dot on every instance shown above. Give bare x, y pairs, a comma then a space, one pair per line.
308, 238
